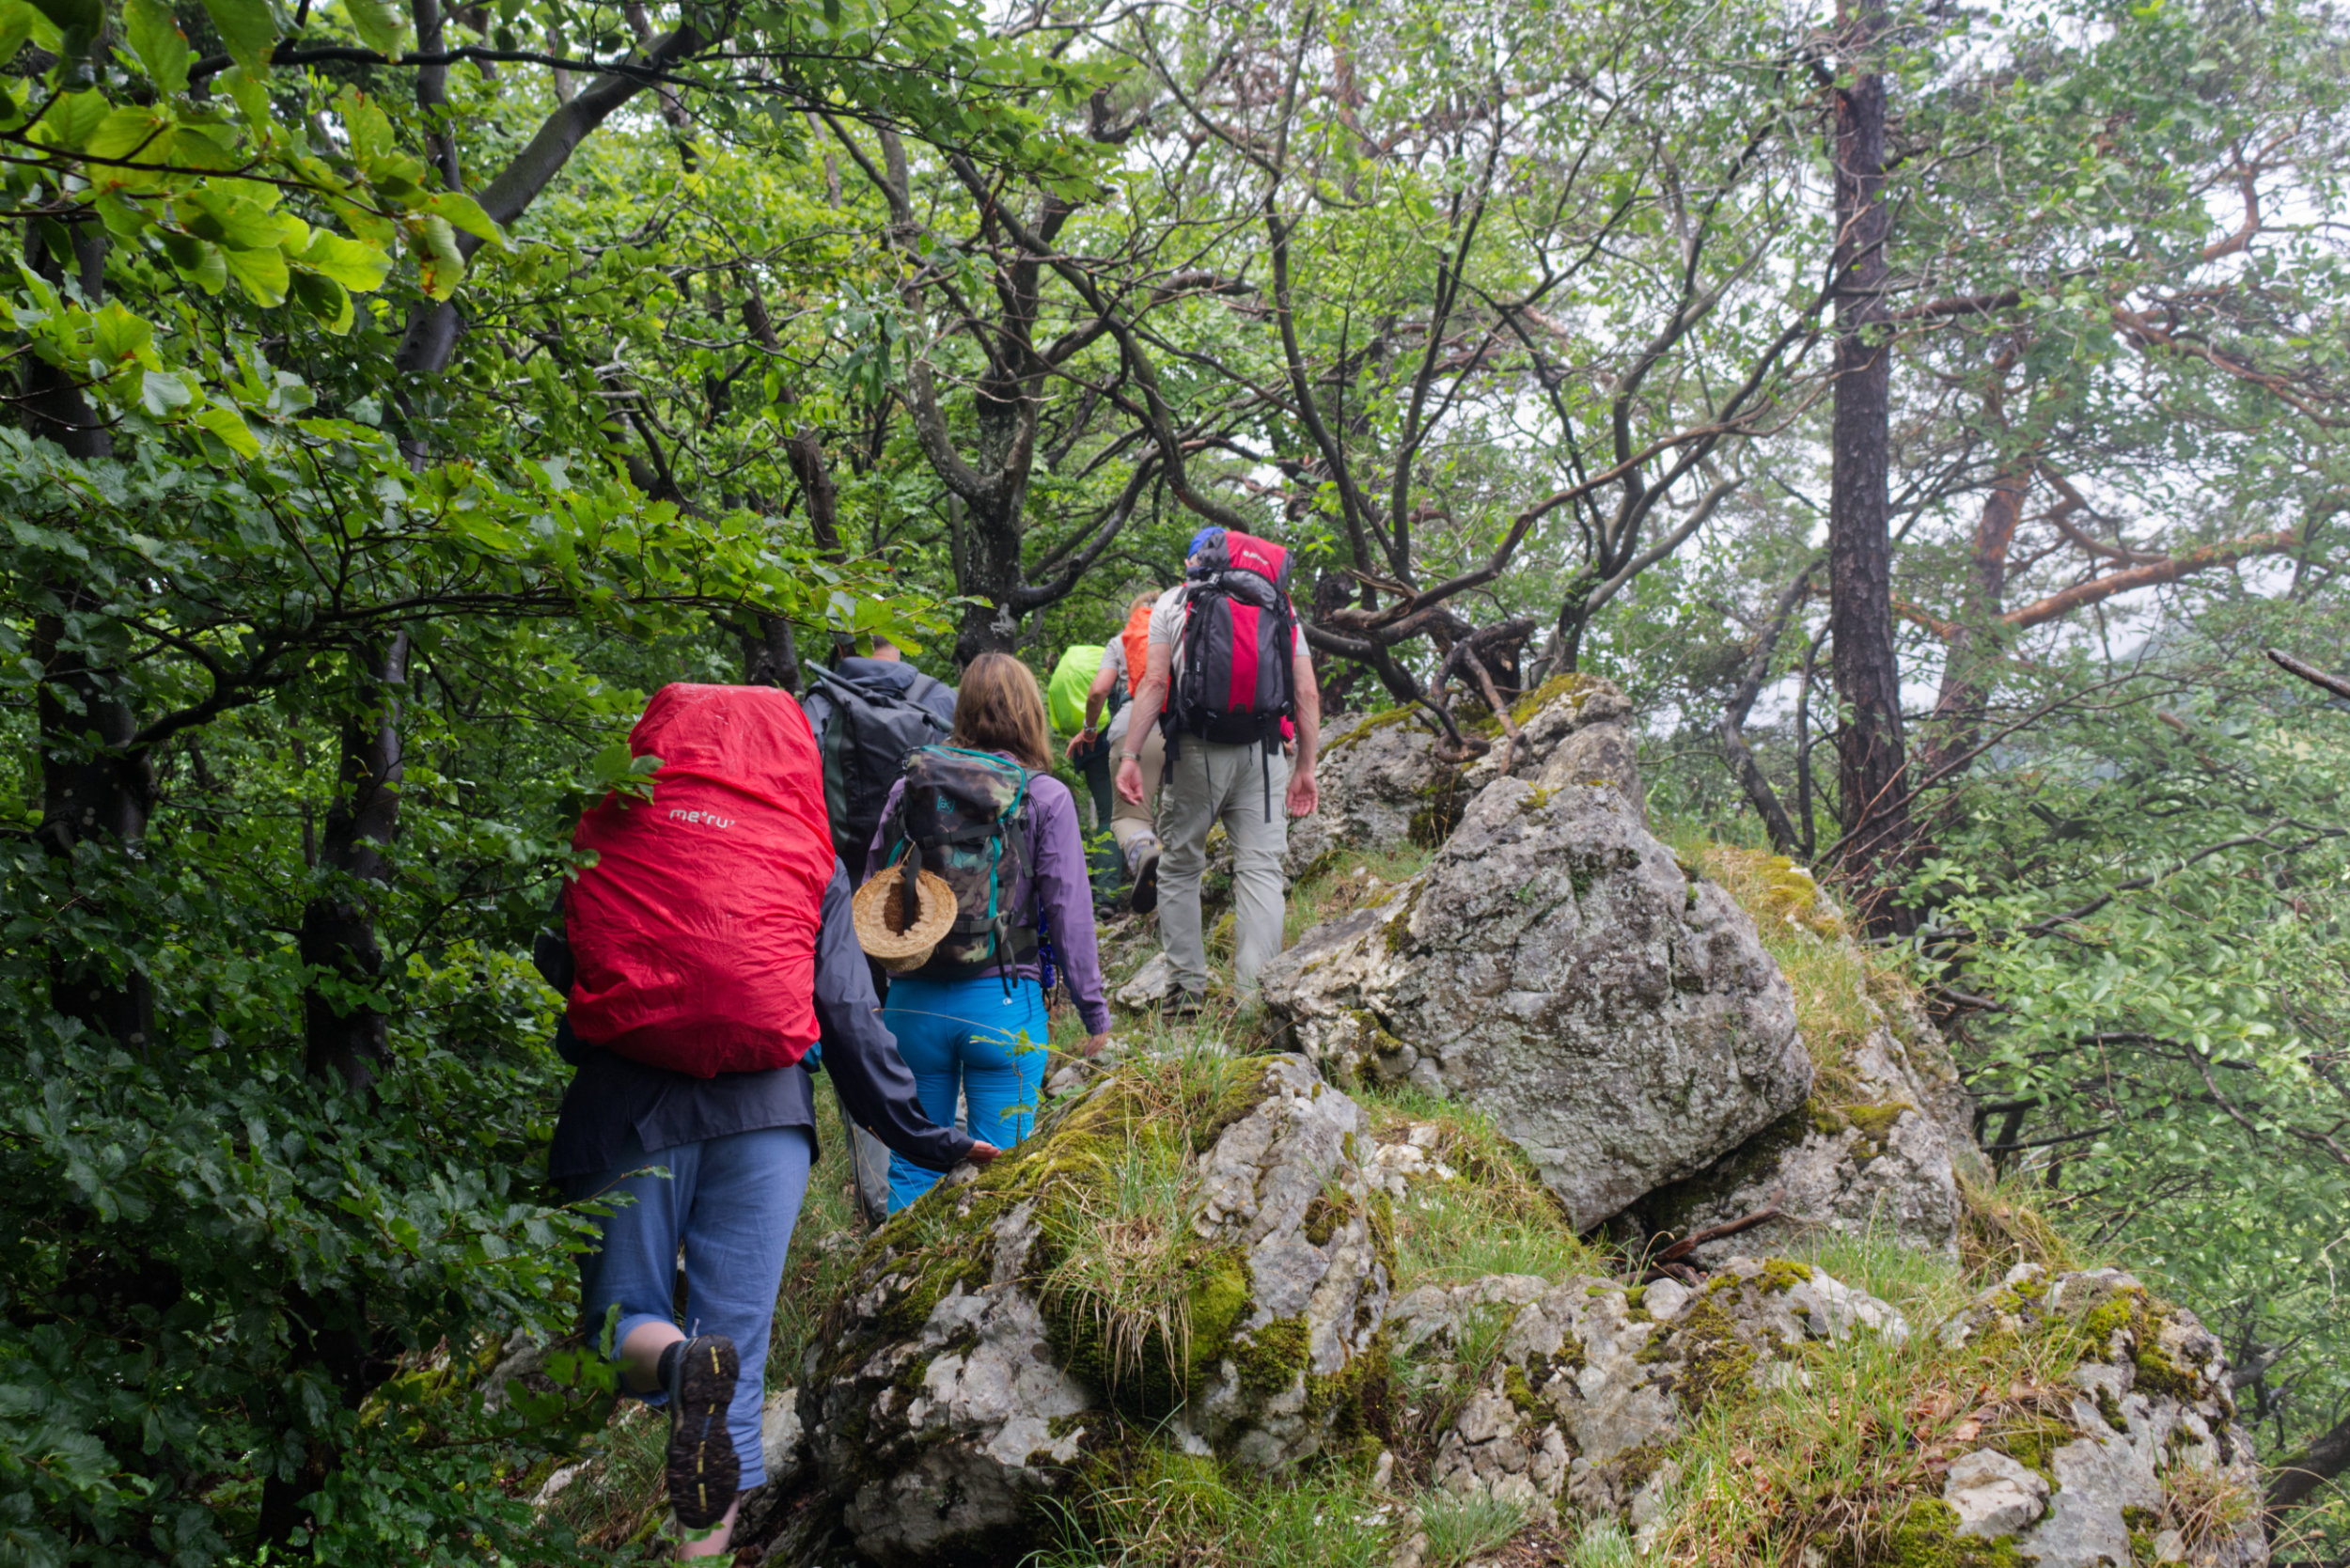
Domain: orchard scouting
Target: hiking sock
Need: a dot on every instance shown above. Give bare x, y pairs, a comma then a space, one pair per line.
704, 1471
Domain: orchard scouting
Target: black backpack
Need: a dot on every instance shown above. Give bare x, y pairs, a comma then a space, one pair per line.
864, 747
964, 816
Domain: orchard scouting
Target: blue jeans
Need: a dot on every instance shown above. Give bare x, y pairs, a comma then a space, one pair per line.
731, 1202
968, 1033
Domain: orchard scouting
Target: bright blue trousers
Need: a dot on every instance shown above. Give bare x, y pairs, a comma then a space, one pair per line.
731, 1202
974, 1036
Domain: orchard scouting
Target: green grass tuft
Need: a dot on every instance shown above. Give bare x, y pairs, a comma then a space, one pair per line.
1459, 1528
1838, 1463
1494, 1216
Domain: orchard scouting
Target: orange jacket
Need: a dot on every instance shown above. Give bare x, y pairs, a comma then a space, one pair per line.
1136, 636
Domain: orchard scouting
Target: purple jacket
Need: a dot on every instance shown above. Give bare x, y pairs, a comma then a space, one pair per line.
1056, 850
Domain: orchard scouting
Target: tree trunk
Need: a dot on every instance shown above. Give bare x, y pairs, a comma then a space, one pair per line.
1740, 756
770, 657
991, 575
1871, 782
94, 790
1565, 653
348, 1044
1966, 691
337, 931
2298, 1478
805, 452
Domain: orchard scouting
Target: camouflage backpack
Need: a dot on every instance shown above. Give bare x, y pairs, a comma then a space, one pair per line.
964, 817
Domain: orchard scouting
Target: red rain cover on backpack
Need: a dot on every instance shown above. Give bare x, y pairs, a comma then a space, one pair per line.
695, 931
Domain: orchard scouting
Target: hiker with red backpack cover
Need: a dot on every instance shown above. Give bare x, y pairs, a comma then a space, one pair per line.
1227, 666
709, 945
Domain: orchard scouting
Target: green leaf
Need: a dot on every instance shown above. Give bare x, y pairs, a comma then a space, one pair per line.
73, 119
17, 23
120, 337
160, 392
464, 213
354, 263
127, 131
440, 268
156, 39
236, 219
226, 424
249, 91
78, 23
197, 260
368, 128
248, 27
326, 299
381, 26
262, 274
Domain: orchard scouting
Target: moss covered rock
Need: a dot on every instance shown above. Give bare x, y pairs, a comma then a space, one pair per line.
1186, 1249
1881, 1155
1574, 1394
2152, 1443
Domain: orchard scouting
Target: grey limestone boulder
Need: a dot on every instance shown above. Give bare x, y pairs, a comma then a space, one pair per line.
1572, 1396
2139, 1466
1878, 1149
1383, 785
964, 1378
1554, 966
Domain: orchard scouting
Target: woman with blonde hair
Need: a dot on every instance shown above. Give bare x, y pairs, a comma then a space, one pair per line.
972, 1018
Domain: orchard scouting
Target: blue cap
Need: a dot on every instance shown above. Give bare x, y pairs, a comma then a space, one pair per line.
1201, 540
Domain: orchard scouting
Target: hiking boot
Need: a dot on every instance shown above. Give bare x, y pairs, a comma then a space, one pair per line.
1182, 1006
1143, 861
704, 1471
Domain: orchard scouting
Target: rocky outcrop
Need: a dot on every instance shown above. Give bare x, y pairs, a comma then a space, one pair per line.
1572, 1395
2144, 1461
1383, 785
1554, 966
1572, 1398
1877, 1150
1203, 1260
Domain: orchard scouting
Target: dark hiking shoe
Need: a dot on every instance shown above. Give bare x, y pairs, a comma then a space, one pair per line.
1182, 1006
1145, 894
704, 1470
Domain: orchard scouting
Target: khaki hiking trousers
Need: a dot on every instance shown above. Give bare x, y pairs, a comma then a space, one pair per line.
1232, 784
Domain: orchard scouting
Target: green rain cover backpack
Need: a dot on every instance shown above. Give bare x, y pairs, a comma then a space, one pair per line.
964, 816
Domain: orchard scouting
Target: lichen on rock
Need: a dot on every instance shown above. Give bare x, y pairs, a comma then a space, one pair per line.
1879, 1159
1578, 1394
2151, 1416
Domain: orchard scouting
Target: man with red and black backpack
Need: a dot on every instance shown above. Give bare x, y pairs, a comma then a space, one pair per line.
1227, 666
